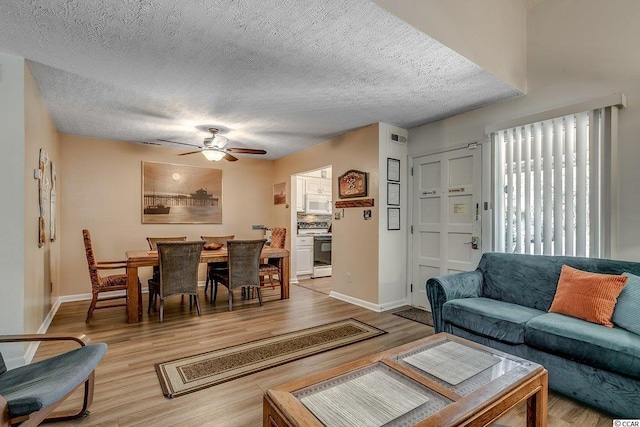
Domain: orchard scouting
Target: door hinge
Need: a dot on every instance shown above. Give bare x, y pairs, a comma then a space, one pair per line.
411, 170
412, 287
412, 229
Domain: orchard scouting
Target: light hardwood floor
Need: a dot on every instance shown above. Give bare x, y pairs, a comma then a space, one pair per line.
321, 284
128, 393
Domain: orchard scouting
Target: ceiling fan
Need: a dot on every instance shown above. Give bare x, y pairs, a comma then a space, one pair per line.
213, 148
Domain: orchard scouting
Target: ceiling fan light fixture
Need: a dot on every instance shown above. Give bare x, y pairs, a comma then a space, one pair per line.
220, 141
213, 155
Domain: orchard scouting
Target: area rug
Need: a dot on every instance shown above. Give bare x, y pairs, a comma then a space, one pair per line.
193, 373
417, 315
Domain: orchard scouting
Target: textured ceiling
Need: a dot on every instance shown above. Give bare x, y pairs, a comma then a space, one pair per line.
279, 75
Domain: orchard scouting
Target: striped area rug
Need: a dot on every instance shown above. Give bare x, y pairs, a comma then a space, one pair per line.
193, 373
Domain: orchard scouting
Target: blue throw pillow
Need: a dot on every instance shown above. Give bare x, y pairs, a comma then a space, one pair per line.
625, 313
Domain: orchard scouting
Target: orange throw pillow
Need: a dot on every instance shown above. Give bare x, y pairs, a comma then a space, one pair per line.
588, 296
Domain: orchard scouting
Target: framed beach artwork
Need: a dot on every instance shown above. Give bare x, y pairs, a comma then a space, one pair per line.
179, 194
280, 193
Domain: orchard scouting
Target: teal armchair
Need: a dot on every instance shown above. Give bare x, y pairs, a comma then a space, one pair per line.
30, 394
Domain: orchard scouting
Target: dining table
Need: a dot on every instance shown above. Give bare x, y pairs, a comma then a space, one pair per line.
137, 258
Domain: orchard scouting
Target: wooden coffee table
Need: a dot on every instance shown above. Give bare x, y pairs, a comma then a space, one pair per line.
441, 380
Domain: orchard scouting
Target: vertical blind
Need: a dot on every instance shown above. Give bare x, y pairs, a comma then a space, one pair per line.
546, 195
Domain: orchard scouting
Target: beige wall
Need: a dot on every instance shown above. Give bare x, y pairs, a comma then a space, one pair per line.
490, 33
41, 270
355, 241
577, 50
101, 191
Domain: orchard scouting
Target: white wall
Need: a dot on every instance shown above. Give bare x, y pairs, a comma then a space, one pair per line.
577, 50
392, 244
12, 164
490, 33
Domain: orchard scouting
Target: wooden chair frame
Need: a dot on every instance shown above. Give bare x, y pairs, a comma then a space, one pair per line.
97, 281
215, 265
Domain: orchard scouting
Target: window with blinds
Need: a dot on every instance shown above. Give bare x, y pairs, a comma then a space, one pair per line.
546, 186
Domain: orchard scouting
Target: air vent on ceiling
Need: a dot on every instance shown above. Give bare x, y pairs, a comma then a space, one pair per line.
399, 139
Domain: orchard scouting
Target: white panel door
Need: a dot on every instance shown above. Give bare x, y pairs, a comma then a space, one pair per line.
446, 217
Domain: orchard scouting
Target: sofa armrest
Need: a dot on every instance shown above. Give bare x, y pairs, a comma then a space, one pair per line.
452, 286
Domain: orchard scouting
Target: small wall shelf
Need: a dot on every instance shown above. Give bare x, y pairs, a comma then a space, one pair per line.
360, 203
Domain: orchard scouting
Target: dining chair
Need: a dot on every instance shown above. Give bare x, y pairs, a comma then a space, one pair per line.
153, 241
154, 282
30, 394
100, 284
179, 263
211, 266
271, 267
243, 268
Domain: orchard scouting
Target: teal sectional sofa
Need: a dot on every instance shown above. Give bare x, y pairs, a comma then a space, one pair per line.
504, 304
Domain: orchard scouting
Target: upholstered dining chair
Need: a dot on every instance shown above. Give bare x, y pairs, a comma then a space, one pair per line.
271, 267
30, 394
154, 282
100, 284
222, 240
179, 263
244, 268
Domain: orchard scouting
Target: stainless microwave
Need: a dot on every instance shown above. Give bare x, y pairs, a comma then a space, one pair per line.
317, 204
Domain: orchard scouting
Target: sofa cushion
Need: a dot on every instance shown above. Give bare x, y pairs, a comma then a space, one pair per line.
587, 296
495, 319
625, 314
527, 280
612, 349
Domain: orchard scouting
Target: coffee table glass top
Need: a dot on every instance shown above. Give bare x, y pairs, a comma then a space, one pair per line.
456, 366
375, 395
440, 380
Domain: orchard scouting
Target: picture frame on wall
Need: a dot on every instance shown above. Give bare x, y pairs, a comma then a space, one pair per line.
393, 193
393, 169
180, 194
352, 183
280, 193
393, 218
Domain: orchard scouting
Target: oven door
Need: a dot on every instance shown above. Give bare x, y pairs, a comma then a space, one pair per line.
321, 256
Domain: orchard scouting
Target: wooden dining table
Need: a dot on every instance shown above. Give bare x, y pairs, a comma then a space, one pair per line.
137, 258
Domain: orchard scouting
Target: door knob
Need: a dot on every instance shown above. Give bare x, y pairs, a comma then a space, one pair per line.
473, 242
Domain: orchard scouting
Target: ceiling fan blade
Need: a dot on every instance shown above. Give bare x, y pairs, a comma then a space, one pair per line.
246, 151
230, 158
181, 143
190, 152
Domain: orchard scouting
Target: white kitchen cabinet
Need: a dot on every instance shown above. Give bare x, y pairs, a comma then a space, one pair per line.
304, 256
318, 186
300, 189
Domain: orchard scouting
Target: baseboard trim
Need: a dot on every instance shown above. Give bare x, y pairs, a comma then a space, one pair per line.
30, 353
86, 297
394, 304
355, 301
368, 305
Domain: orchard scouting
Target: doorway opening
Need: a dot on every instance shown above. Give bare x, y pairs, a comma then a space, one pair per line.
311, 246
